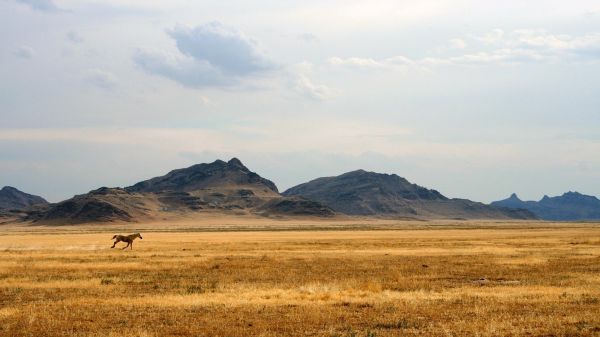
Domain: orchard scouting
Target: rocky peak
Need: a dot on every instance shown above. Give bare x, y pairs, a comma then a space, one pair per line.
12, 198
236, 163
201, 176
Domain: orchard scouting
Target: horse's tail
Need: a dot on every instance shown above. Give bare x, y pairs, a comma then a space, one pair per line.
114, 237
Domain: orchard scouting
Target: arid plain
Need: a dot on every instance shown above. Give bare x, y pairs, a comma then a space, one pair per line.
260, 277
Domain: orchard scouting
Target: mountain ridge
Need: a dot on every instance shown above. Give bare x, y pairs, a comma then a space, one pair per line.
366, 193
568, 206
226, 187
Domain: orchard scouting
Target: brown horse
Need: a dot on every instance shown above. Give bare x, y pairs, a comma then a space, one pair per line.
126, 238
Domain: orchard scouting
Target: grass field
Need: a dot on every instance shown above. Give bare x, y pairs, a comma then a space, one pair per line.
420, 280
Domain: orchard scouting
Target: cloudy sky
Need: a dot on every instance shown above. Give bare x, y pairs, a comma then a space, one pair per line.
477, 99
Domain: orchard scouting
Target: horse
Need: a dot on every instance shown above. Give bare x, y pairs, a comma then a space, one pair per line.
126, 238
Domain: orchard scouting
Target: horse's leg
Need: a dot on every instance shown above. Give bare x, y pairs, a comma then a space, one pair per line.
131, 247
128, 243
114, 244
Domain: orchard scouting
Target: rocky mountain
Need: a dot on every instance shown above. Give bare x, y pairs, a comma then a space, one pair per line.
224, 187
296, 206
368, 193
13, 199
205, 176
101, 205
570, 206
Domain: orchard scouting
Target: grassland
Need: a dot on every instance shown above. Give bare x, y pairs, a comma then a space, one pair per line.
410, 280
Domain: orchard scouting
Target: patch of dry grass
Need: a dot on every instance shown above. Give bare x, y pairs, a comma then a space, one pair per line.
495, 281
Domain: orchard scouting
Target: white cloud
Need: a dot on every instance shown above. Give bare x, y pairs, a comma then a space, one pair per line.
299, 79
23, 52
307, 88
41, 5
458, 44
357, 62
182, 69
592, 12
520, 46
558, 44
223, 47
208, 55
101, 78
214, 55
492, 37
206, 101
307, 37
74, 37
392, 63
499, 56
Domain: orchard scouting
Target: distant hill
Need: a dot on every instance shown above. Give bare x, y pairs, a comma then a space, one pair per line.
218, 174
13, 199
101, 205
224, 187
369, 193
296, 206
570, 206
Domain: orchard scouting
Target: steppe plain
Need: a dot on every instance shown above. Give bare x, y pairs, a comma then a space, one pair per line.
228, 276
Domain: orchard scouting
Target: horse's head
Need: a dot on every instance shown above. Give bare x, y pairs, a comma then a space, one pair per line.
139, 235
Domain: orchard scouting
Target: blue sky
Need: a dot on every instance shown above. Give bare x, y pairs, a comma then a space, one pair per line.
475, 99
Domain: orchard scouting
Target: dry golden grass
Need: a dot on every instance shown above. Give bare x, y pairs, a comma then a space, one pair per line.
418, 279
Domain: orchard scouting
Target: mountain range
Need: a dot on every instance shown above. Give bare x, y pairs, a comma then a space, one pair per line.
569, 206
375, 194
231, 188
223, 187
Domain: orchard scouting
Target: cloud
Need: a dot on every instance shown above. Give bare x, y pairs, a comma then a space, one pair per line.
183, 69
101, 78
41, 5
541, 45
208, 55
319, 92
358, 62
496, 47
458, 44
491, 37
299, 80
592, 12
23, 52
392, 63
557, 44
499, 56
74, 37
307, 37
214, 55
402, 63
222, 47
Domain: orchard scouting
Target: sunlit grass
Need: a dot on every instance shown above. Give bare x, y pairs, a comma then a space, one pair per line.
498, 281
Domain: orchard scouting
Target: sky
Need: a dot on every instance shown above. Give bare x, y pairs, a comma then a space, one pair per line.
477, 99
